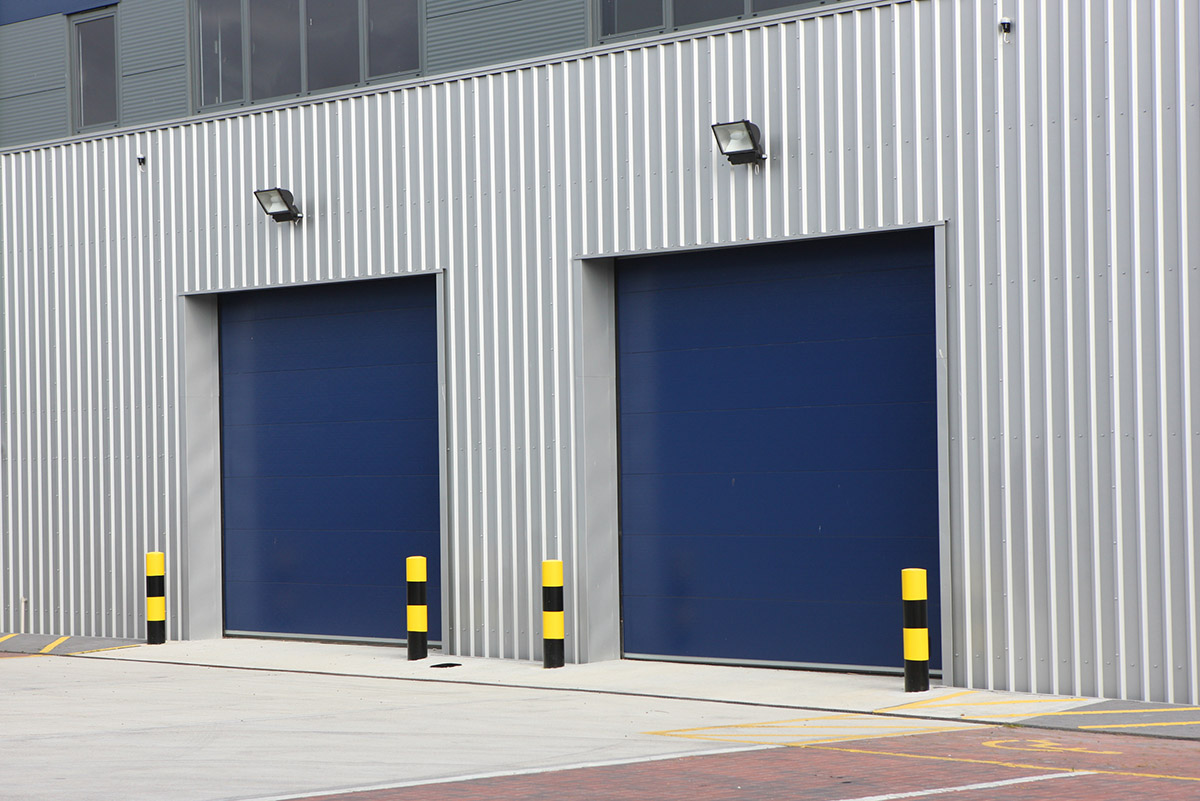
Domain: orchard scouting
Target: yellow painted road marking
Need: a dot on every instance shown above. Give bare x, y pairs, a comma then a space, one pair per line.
110, 648
1141, 725
1042, 746
7, 637
55, 644
1095, 712
926, 702
1001, 764
937, 703
834, 728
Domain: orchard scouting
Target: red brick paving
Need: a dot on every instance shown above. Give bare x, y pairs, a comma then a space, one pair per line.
864, 768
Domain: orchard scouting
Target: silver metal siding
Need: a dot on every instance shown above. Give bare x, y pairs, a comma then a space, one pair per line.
1063, 162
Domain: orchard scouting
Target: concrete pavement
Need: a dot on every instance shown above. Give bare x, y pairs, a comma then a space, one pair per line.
259, 719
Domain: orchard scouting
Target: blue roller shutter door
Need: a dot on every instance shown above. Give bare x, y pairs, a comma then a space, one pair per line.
330, 450
778, 449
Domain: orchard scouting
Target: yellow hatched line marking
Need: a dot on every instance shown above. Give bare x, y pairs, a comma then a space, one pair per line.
926, 701
1141, 725
1009, 703
7, 637
851, 738
55, 644
847, 737
1004, 764
937, 703
677, 732
110, 648
1096, 712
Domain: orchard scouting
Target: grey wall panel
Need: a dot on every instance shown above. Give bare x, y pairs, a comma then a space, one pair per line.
464, 34
153, 96
152, 34
33, 56
29, 118
33, 79
153, 45
1062, 161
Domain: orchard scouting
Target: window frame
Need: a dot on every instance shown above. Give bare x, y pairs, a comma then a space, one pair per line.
247, 99
75, 65
669, 25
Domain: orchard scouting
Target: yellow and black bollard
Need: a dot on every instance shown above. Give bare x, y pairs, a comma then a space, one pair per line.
156, 600
418, 608
916, 629
553, 628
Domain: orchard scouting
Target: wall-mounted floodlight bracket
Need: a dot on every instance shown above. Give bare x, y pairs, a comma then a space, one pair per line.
278, 203
740, 142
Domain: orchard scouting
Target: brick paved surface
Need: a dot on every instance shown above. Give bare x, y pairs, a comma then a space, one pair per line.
1126, 768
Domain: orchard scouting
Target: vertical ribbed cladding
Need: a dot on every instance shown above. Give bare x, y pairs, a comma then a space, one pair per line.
1064, 162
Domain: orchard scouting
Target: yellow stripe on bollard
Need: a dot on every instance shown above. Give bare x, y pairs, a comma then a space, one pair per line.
156, 609
913, 585
416, 568
916, 645
554, 625
552, 573
418, 619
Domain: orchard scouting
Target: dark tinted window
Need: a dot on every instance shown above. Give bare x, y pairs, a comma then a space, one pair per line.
97, 64
688, 12
220, 51
393, 43
621, 16
332, 43
274, 48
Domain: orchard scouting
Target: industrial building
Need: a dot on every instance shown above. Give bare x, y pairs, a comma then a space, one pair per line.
514, 303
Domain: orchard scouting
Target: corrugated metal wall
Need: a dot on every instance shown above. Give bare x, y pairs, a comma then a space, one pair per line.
1062, 160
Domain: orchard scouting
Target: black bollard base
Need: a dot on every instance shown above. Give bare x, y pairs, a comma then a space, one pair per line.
553, 654
916, 676
418, 645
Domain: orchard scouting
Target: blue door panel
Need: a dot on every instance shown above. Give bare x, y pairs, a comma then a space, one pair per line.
809, 632
746, 377
330, 341
350, 448
350, 503
330, 451
352, 393
860, 503
835, 568
867, 437
778, 445
341, 610
323, 557
756, 312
